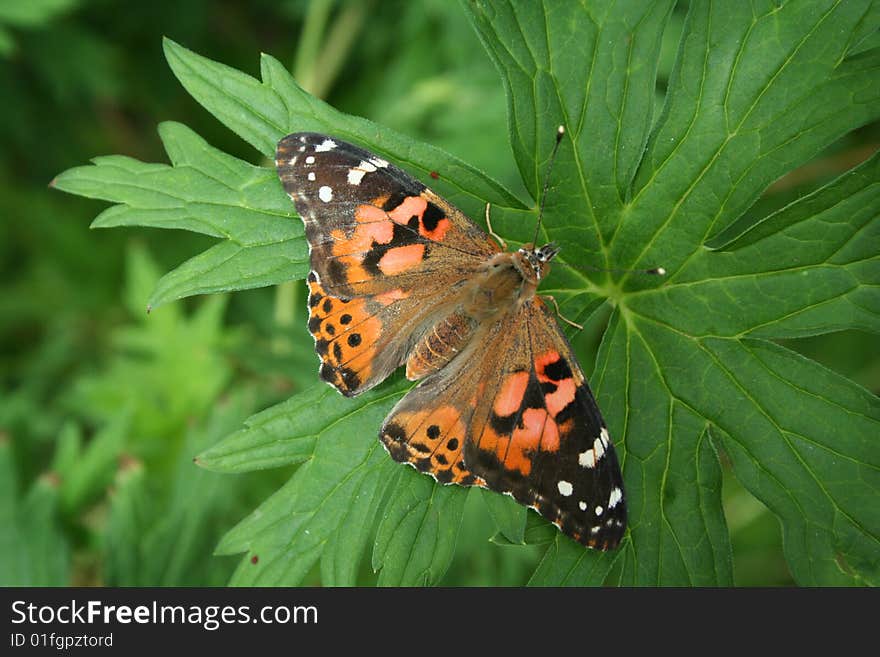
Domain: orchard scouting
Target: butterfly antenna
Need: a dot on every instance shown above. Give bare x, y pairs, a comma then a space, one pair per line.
560, 132
654, 271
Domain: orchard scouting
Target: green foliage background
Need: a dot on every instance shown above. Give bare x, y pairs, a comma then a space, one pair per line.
104, 407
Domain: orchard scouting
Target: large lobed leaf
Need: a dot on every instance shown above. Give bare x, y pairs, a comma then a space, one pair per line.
686, 367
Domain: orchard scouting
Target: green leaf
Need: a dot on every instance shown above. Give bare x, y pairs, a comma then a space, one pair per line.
592, 66
262, 113
822, 276
272, 438
758, 90
131, 510
509, 517
330, 500
95, 467
161, 538
776, 85
208, 192
33, 549
416, 538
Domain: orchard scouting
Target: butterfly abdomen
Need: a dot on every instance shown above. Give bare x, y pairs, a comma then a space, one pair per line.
440, 344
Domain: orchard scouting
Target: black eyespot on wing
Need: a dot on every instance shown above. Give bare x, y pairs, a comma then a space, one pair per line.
558, 370
431, 217
395, 432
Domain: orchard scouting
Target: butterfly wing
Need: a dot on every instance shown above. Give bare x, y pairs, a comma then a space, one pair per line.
387, 255
516, 415
372, 227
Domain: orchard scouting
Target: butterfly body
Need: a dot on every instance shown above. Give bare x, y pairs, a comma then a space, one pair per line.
401, 277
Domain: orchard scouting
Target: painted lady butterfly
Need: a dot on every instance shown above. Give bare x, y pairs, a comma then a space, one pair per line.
401, 276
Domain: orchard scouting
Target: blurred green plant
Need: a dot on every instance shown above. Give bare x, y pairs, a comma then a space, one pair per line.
25, 15
688, 367
107, 491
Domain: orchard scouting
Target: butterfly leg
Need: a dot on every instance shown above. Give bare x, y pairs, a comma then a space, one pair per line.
561, 316
497, 237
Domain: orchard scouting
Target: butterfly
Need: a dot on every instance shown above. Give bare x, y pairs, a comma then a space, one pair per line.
401, 277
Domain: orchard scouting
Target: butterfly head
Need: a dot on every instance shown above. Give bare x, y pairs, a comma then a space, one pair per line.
532, 263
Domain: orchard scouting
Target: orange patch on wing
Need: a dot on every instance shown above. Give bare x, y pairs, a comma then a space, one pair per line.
411, 205
439, 231
438, 435
538, 432
372, 227
401, 258
563, 395
542, 361
491, 441
345, 333
387, 298
566, 388
512, 392
366, 214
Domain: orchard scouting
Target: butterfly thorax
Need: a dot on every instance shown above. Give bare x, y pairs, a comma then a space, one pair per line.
506, 281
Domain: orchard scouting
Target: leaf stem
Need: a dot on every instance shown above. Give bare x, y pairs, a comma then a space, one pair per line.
340, 38
308, 50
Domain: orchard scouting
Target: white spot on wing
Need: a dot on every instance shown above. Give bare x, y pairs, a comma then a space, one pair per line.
292, 161
582, 505
614, 498
310, 159
325, 194
356, 174
312, 176
326, 145
565, 488
599, 447
379, 162
599, 510
587, 459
